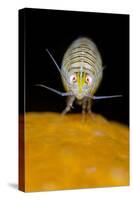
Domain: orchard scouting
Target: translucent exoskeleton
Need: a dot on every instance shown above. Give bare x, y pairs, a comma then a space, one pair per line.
81, 72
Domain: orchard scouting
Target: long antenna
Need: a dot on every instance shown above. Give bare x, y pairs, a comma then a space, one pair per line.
104, 97
55, 91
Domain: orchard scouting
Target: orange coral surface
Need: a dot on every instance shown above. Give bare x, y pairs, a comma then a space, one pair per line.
74, 151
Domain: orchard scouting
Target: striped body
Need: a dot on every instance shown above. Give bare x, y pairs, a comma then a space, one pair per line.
82, 68
81, 72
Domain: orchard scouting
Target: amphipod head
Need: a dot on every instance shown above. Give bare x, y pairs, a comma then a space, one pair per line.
80, 84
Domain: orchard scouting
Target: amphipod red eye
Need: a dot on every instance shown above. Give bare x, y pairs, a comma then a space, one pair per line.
88, 79
73, 78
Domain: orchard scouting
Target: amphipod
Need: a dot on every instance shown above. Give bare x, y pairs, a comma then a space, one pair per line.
81, 72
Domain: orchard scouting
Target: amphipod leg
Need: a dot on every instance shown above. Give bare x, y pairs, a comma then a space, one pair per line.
89, 105
70, 101
84, 105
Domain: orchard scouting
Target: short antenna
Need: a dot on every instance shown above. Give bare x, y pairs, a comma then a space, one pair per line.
57, 66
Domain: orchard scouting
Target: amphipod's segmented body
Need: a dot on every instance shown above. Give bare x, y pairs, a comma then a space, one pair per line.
82, 69
81, 72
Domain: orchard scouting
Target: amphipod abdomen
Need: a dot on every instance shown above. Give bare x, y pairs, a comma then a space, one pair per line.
82, 68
